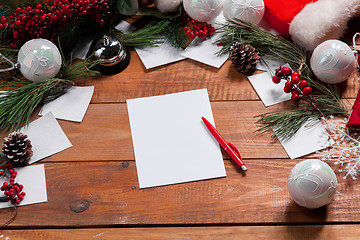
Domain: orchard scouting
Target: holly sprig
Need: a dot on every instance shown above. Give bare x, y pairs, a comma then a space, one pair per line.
284, 124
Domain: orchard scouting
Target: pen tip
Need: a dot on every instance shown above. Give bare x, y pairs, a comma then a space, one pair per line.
243, 167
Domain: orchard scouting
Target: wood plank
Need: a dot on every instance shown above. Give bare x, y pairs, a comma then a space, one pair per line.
105, 133
135, 81
107, 194
222, 84
311, 232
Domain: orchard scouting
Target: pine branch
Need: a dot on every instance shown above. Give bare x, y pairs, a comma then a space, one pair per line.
73, 68
175, 33
149, 36
275, 121
17, 105
326, 97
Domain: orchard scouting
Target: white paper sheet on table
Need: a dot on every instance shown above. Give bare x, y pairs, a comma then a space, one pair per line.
34, 182
160, 55
70, 106
310, 138
271, 64
269, 92
125, 27
46, 136
204, 50
171, 143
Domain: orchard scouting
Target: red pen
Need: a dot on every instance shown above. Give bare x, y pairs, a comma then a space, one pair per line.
228, 147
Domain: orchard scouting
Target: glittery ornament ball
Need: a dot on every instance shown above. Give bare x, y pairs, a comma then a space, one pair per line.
39, 60
332, 61
203, 10
312, 183
167, 6
246, 10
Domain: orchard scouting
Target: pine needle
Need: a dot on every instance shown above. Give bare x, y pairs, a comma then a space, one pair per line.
175, 34
326, 97
17, 105
149, 36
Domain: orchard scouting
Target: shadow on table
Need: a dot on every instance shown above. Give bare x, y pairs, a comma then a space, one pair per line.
296, 216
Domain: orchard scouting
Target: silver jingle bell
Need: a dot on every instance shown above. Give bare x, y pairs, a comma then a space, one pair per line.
112, 55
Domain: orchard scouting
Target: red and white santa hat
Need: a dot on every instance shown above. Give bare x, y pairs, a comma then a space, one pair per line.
310, 22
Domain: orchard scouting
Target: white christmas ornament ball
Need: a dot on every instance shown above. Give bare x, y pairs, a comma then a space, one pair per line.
203, 10
247, 10
332, 61
167, 6
312, 183
39, 60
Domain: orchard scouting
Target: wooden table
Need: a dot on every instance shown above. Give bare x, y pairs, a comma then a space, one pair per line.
93, 191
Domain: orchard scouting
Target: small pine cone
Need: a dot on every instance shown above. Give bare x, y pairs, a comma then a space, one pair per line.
244, 57
17, 149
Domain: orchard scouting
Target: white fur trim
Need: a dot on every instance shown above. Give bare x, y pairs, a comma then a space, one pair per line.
321, 21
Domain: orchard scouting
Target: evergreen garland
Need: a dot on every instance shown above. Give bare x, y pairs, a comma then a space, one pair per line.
285, 124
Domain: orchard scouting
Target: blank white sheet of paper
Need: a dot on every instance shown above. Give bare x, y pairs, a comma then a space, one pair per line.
171, 143
33, 179
46, 136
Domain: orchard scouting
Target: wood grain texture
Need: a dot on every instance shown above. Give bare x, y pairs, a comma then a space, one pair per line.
107, 194
224, 84
340, 232
105, 133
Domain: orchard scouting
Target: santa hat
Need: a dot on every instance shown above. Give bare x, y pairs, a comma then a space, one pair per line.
310, 22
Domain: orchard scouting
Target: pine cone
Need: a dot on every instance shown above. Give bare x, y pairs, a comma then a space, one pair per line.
17, 148
244, 57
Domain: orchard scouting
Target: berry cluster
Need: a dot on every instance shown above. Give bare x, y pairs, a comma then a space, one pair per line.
199, 30
45, 21
298, 88
12, 191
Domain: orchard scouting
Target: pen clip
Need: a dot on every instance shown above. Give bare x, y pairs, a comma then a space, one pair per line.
234, 148
238, 153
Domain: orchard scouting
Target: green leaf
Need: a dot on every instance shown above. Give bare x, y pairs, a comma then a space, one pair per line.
127, 7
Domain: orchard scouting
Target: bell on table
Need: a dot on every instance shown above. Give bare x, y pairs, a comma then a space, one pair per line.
112, 54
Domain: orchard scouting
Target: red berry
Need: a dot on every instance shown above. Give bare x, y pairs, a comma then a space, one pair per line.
7, 193
276, 80
23, 194
295, 74
17, 201
295, 97
287, 89
288, 84
294, 92
286, 70
295, 79
307, 91
303, 84
279, 73
192, 22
